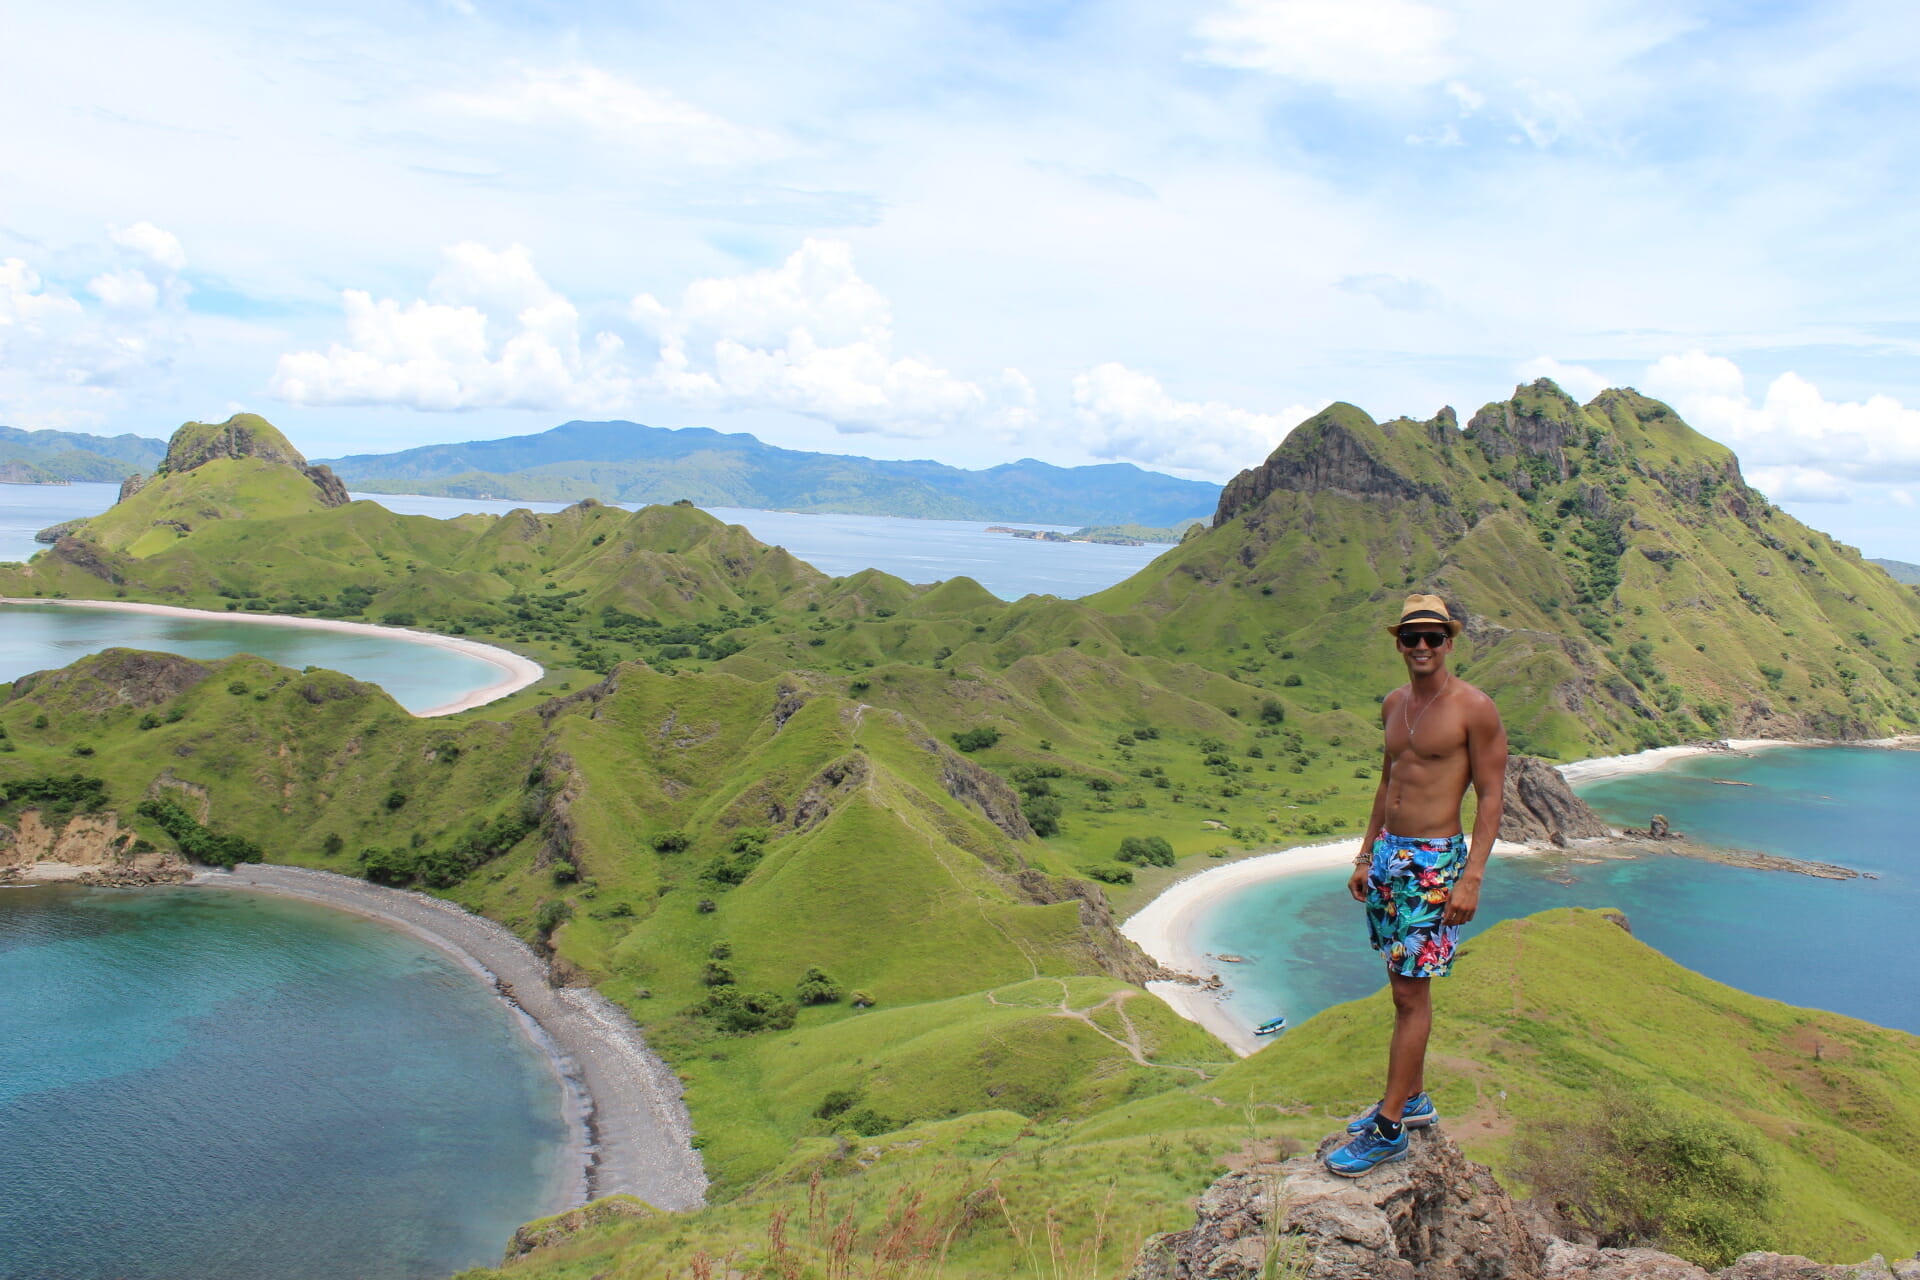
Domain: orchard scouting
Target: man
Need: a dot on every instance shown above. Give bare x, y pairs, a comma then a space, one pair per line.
1416, 873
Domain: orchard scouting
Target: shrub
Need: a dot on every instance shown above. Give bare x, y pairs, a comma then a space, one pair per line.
149, 721
1042, 814
332, 844
861, 1000
1152, 851
1112, 873
398, 618
57, 796
199, 843
867, 1122
707, 906
837, 1102
718, 974
565, 872
1271, 712
742, 1013
671, 841
553, 913
817, 988
1292, 681
976, 739
742, 856
237, 688
395, 799
1637, 1171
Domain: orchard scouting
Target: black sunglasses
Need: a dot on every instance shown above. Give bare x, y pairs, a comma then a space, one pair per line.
1431, 639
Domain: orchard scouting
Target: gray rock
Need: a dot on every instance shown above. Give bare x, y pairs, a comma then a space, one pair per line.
1537, 806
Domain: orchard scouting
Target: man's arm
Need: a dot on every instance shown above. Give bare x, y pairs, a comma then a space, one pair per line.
1357, 882
1487, 758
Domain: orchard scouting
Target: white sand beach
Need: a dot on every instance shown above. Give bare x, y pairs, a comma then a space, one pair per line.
516, 671
1164, 927
632, 1131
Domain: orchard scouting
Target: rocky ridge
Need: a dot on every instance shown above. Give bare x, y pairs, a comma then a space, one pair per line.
1433, 1216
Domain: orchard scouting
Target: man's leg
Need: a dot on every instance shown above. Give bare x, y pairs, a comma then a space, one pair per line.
1407, 1057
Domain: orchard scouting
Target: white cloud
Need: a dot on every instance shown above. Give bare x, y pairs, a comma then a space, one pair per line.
1346, 44
615, 108
125, 291
1795, 436
24, 304
451, 354
1127, 416
812, 337
1901, 496
163, 247
1576, 380
1800, 484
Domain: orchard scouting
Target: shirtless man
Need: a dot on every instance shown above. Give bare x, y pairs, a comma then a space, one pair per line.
1416, 873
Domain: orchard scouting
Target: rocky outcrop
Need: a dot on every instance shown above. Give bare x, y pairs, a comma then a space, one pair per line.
87, 848
1538, 807
244, 435
561, 1227
114, 678
986, 792
54, 532
1530, 431
1107, 950
1434, 1216
1322, 454
131, 485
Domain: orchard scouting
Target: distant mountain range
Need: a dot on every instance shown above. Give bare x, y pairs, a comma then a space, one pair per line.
1900, 571
631, 463
42, 457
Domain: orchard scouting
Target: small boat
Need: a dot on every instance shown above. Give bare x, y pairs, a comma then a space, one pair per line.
1271, 1027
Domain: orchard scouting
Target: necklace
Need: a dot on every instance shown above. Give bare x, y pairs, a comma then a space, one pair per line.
1414, 723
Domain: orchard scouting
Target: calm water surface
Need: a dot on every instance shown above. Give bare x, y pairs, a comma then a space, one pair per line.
917, 550
230, 1086
44, 637
1844, 945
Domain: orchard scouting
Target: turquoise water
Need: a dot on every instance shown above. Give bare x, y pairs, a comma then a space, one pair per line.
1843, 945
43, 637
917, 550
231, 1086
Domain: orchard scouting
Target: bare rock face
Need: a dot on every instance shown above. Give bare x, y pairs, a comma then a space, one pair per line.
244, 435
1323, 455
1539, 807
1434, 1216
132, 485
87, 848
114, 678
985, 792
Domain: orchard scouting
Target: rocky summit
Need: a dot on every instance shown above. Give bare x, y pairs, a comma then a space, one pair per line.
1433, 1216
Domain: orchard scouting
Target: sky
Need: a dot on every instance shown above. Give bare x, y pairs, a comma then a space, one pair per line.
1083, 232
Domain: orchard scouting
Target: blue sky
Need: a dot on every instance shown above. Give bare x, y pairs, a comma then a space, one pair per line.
1154, 233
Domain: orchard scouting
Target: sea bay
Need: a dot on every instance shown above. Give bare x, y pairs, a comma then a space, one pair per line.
1830, 944
233, 1086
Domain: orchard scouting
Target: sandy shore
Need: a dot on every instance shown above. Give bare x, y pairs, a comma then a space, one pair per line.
516, 671
632, 1130
1164, 927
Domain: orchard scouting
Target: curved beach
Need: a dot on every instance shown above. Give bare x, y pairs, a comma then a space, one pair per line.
632, 1131
516, 670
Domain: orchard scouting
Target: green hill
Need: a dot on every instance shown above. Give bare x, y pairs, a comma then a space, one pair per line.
628, 462
923, 792
39, 457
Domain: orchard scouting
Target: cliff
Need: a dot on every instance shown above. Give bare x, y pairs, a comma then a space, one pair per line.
1434, 1216
1538, 807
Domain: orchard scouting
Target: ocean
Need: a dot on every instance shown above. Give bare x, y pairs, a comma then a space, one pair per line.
1841, 945
231, 1086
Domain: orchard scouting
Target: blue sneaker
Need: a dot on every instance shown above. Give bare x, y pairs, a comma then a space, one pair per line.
1417, 1114
1367, 1150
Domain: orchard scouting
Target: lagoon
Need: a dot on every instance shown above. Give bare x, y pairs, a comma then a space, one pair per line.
1841, 945
231, 1086
419, 678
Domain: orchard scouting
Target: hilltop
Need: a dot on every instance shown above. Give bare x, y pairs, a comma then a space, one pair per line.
632, 463
851, 849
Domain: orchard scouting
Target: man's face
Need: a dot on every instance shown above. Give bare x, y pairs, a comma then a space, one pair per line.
1424, 646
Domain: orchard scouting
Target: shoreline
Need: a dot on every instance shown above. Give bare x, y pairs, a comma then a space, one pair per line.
629, 1130
1163, 928
516, 670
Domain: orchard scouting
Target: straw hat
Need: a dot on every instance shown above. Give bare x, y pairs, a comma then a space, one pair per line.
1426, 609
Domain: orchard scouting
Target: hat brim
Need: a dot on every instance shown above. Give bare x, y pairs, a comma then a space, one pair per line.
1419, 616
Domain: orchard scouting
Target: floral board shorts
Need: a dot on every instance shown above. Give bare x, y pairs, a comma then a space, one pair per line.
1407, 889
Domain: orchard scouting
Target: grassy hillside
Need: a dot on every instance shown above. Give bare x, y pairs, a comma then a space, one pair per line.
1543, 1013
628, 462
922, 794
